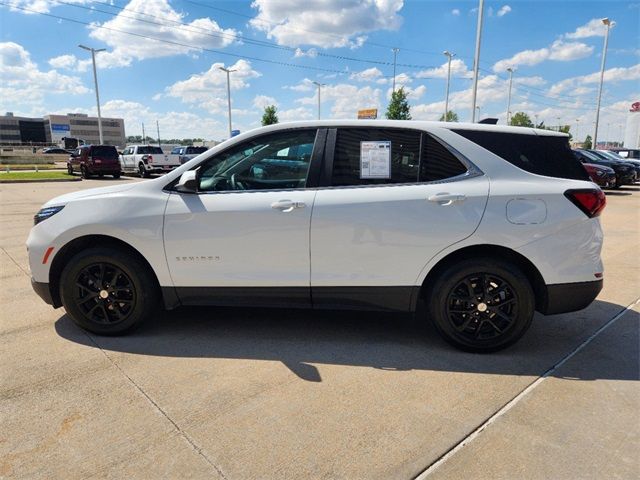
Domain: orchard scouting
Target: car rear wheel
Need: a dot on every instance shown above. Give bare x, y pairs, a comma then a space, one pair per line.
84, 172
481, 305
116, 175
143, 171
69, 169
108, 291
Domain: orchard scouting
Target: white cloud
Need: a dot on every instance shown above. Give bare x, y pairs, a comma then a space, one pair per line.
346, 99
24, 84
458, 69
529, 81
593, 28
558, 51
208, 89
295, 114
368, 75
38, 6
262, 101
455, 12
328, 23
311, 53
305, 85
565, 52
67, 62
412, 93
617, 74
503, 10
201, 33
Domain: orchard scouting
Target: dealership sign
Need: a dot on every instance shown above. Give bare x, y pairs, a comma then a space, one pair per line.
368, 114
58, 131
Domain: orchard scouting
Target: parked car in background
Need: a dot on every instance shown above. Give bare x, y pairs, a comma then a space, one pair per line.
55, 150
625, 173
92, 160
603, 176
627, 152
185, 153
617, 158
145, 160
484, 224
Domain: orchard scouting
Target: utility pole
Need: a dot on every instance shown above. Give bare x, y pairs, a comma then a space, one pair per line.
228, 71
395, 54
577, 126
476, 61
320, 85
144, 137
510, 70
158, 127
608, 23
95, 81
446, 98
478, 108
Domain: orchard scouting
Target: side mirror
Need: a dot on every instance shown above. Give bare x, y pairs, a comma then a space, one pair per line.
188, 182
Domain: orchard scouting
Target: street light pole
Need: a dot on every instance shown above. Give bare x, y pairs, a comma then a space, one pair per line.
320, 85
476, 61
95, 81
608, 23
510, 70
228, 71
478, 108
395, 54
446, 98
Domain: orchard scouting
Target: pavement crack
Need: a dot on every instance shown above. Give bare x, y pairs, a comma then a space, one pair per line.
155, 405
14, 261
515, 400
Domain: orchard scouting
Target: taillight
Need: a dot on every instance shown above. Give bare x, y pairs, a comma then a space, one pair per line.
590, 200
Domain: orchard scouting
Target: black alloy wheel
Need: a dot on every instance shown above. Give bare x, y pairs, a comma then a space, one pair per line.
69, 169
83, 172
480, 304
108, 290
104, 293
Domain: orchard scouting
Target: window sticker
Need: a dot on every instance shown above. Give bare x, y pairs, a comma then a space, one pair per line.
375, 159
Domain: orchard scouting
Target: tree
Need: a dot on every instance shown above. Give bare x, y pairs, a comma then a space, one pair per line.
269, 117
588, 143
521, 119
398, 108
451, 116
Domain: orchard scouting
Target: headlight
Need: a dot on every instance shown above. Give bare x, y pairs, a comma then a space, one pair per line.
45, 213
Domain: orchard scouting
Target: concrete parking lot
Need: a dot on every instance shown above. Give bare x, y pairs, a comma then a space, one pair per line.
246, 393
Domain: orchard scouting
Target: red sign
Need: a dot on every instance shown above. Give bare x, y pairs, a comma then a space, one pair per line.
635, 107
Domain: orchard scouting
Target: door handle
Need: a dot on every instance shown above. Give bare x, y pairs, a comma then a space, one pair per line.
287, 205
446, 198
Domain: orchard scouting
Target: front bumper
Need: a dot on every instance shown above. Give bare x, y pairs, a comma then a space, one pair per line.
43, 291
569, 297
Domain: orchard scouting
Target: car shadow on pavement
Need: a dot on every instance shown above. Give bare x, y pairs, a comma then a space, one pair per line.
301, 338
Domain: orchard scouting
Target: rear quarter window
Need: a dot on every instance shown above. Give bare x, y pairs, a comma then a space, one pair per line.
104, 152
550, 156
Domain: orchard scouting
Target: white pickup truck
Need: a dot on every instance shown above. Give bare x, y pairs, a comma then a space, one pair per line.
145, 160
183, 153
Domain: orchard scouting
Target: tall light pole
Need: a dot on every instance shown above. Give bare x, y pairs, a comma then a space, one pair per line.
510, 70
577, 127
320, 85
476, 61
608, 23
95, 81
478, 108
446, 98
395, 54
228, 71
158, 128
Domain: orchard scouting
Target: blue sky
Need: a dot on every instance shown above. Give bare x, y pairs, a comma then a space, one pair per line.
168, 69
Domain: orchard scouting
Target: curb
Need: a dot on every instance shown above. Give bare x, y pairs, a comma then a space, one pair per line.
43, 180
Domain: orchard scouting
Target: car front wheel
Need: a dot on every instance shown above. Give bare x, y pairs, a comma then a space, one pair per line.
481, 305
108, 291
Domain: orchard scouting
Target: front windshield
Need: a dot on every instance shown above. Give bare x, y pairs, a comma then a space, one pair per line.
279, 160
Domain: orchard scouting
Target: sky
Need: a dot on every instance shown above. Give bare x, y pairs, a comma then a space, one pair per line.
162, 57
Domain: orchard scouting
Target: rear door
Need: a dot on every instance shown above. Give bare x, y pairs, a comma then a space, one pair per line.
394, 198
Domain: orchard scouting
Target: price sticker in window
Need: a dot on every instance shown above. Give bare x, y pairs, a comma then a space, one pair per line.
375, 159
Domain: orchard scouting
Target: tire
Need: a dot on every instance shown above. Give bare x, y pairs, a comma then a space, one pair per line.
108, 291
101, 175
116, 175
83, 172
478, 319
143, 172
69, 169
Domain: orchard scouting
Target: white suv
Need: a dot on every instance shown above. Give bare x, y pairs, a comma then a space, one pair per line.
485, 224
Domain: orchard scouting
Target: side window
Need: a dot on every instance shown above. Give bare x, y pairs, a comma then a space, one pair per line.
175, 151
275, 161
362, 154
437, 162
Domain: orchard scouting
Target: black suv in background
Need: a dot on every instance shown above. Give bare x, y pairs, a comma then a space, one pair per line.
617, 158
625, 172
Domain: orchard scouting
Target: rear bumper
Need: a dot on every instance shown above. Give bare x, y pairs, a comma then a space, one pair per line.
569, 297
107, 168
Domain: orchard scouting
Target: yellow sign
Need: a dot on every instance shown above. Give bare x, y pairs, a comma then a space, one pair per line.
368, 114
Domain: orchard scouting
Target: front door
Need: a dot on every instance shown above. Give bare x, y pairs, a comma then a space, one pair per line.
245, 234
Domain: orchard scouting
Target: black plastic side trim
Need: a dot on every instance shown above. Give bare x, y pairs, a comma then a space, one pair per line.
569, 297
170, 298
43, 291
398, 299
249, 296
